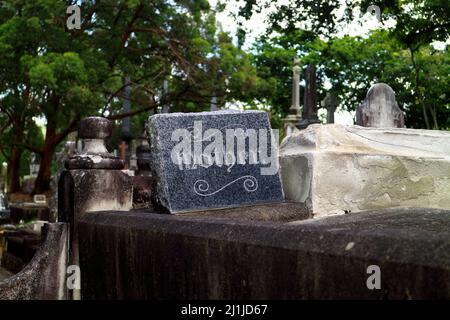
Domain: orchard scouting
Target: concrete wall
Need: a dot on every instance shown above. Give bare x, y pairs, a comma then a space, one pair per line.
143, 255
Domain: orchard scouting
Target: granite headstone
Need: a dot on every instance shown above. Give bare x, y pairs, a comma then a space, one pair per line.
380, 109
213, 160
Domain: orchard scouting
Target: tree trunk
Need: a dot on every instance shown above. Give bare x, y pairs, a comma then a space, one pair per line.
42, 183
417, 91
14, 170
434, 117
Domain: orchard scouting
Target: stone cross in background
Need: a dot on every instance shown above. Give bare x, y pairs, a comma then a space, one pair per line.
380, 109
310, 105
294, 116
330, 102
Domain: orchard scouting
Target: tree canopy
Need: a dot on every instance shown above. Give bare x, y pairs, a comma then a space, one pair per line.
64, 75
59, 76
401, 55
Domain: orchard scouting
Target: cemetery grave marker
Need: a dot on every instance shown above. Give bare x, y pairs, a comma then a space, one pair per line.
380, 109
310, 104
211, 160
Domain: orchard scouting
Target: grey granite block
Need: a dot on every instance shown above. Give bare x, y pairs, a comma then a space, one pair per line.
213, 160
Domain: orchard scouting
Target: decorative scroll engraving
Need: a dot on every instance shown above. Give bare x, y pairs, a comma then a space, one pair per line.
201, 187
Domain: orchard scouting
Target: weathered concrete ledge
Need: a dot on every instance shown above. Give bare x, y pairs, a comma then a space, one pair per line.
44, 277
337, 169
143, 255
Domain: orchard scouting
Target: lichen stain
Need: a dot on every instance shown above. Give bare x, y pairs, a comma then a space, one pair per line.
396, 185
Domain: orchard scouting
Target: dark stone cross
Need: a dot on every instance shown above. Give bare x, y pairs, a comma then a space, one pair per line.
310, 104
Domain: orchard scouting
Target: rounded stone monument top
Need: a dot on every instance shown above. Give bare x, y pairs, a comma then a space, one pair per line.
378, 88
95, 128
380, 109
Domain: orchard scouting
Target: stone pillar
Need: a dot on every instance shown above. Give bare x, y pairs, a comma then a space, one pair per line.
294, 116
380, 109
92, 181
310, 105
214, 104
166, 105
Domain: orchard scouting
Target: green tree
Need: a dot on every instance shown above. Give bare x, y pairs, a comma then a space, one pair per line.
400, 56
63, 76
351, 65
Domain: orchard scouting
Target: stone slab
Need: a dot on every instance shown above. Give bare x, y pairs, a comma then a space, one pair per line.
219, 258
336, 169
212, 160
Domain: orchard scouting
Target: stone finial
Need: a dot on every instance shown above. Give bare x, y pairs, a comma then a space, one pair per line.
380, 109
94, 131
294, 115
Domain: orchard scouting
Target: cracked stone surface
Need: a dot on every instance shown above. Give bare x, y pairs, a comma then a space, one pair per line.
337, 169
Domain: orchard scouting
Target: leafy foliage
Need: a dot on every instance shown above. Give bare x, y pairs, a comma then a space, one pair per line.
49, 72
401, 56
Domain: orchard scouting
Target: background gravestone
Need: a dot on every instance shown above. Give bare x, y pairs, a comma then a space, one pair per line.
196, 186
330, 103
310, 104
380, 109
